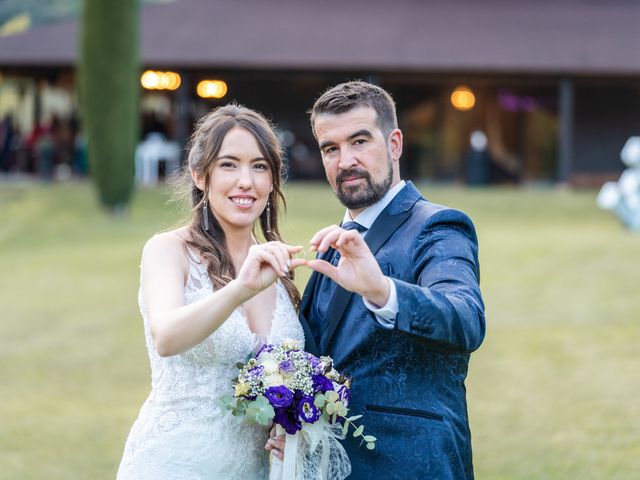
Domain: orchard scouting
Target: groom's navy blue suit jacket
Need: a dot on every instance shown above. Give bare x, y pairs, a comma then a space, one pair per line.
409, 380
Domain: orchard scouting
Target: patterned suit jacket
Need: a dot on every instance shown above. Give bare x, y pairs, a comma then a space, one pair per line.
409, 380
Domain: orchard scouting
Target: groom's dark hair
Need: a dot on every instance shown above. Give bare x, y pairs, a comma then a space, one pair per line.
349, 95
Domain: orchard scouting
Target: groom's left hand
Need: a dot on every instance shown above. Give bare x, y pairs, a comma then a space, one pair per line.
357, 270
275, 444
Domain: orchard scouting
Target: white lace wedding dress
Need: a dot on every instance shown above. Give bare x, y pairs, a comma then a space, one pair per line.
180, 433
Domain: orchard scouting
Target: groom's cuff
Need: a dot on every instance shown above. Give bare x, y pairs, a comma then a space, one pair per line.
386, 315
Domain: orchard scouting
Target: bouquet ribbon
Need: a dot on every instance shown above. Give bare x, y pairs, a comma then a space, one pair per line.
305, 442
285, 470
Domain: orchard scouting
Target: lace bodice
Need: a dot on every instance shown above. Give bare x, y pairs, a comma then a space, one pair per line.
207, 369
181, 432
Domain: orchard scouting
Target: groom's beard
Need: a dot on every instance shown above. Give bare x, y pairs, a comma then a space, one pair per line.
362, 196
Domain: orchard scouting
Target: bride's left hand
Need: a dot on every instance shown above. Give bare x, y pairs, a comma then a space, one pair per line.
265, 263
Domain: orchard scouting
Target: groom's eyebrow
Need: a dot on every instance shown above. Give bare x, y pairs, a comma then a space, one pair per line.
360, 133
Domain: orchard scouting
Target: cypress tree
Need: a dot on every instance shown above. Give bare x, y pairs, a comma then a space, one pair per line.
109, 90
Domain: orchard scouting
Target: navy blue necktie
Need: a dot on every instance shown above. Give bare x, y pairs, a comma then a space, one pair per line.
334, 257
351, 225
325, 287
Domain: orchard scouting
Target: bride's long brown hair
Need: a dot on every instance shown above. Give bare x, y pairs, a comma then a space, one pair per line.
203, 150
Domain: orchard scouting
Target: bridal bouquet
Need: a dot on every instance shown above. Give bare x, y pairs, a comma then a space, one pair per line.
304, 396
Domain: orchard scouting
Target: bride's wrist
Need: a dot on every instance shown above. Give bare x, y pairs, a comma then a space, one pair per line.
240, 291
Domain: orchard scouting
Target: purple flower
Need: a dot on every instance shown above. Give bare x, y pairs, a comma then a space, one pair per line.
287, 366
316, 366
256, 371
279, 396
321, 383
288, 420
265, 348
307, 410
312, 359
344, 393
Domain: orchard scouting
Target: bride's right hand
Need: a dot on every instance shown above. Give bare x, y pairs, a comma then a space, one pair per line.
275, 444
265, 263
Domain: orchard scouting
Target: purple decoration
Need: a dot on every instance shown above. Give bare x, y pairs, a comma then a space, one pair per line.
321, 383
307, 410
286, 418
265, 348
256, 371
344, 393
287, 366
279, 396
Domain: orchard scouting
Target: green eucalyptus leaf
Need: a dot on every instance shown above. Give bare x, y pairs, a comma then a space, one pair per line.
369, 438
242, 404
331, 395
260, 411
358, 431
345, 428
226, 402
330, 408
264, 416
371, 446
354, 418
320, 400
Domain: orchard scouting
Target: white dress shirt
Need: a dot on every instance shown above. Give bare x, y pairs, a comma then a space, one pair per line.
386, 314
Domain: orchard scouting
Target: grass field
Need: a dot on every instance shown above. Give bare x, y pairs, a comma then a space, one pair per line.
554, 392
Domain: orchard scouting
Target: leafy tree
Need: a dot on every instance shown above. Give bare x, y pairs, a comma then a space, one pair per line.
109, 89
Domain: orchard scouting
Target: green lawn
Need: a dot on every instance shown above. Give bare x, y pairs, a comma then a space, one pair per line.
553, 392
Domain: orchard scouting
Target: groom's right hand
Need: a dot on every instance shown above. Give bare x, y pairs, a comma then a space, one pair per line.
275, 444
357, 271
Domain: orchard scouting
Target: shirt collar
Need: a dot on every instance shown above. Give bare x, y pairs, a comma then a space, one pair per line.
369, 214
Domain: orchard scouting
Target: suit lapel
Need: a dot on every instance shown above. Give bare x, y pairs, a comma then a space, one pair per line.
384, 226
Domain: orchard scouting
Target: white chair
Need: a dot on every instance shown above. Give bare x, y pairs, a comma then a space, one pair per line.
150, 152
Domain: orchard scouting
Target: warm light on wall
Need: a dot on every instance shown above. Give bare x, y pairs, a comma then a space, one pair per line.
212, 89
463, 99
154, 80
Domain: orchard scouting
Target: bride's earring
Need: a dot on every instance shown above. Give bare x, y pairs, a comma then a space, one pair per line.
205, 216
269, 216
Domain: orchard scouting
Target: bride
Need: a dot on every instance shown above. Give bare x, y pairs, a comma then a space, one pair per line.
210, 294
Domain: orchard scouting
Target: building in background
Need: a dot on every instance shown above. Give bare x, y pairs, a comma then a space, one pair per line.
554, 87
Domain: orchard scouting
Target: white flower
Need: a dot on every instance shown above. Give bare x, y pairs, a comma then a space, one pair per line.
266, 357
332, 374
290, 344
270, 367
273, 380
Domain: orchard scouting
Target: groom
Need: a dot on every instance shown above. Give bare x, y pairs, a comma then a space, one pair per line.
394, 298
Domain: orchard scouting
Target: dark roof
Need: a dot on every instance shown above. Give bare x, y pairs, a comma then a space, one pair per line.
535, 36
